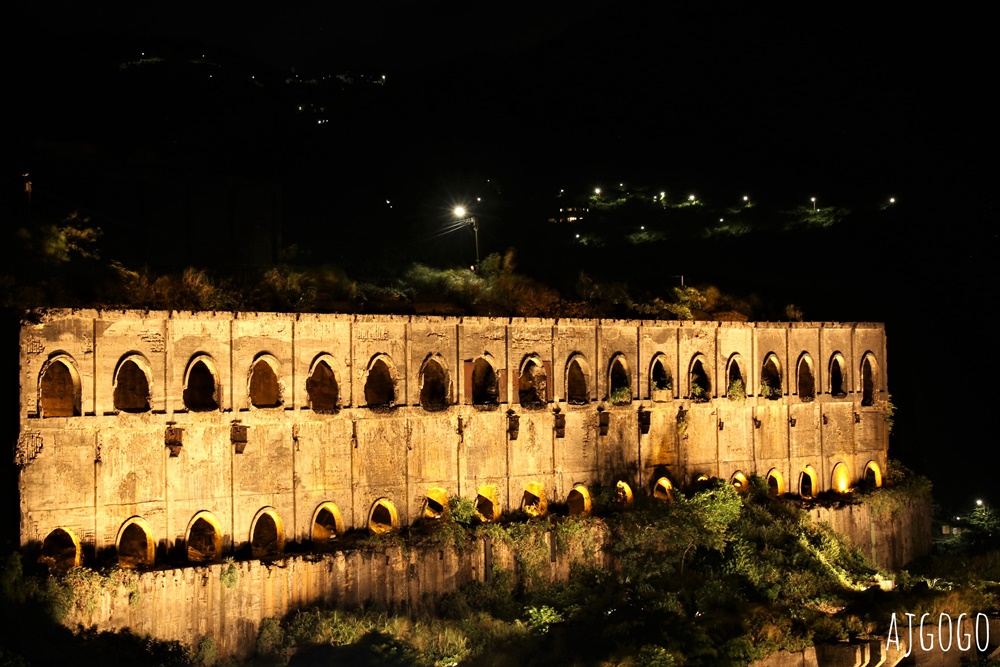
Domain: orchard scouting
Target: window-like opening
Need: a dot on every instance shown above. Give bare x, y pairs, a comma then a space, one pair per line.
868, 381
873, 475
324, 394
435, 503
59, 393
327, 525
201, 392
485, 386
204, 541
380, 389
264, 389
487, 505
622, 496
60, 550
531, 385
736, 384
770, 379
807, 384
620, 382
131, 388
775, 484
268, 537
739, 482
577, 392
383, 518
433, 385
663, 489
135, 546
533, 500
659, 377
579, 501
807, 483
841, 480
838, 388
701, 388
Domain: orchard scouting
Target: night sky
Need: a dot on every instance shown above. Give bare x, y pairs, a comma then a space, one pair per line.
516, 101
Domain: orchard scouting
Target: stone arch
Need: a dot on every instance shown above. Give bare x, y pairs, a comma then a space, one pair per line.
327, 524
736, 379
435, 503
840, 479
201, 384
61, 550
263, 385
267, 535
487, 505
579, 501
619, 380
577, 380
699, 382
532, 382
739, 482
805, 379
435, 384
622, 496
807, 482
869, 379
775, 483
873, 475
133, 385
380, 383
59, 387
663, 489
323, 385
533, 500
485, 381
204, 538
771, 386
838, 382
135, 544
383, 517
661, 379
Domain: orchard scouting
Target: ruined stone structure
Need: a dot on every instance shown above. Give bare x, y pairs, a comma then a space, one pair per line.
172, 436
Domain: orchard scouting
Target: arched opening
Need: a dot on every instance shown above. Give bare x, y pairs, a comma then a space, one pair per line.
487, 505
806, 382
135, 545
59, 389
201, 388
383, 517
873, 475
660, 379
533, 500
204, 540
739, 482
267, 535
132, 386
435, 503
841, 478
622, 496
485, 386
577, 390
775, 484
531, 384
579, 501
265, 392
838, 386
736, 387
380, 387
807, 482
770, 379
433, 385
322, 388
869, 380
619, 381
663, 489
60, 550
327, 525
700, 386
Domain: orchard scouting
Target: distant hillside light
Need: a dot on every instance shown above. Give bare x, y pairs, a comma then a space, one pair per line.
979, 503
597, 191
691, 197
892, 200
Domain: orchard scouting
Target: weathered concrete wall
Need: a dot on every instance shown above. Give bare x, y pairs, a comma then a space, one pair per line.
374, 446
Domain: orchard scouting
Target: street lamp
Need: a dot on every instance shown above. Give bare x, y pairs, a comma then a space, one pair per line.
813, 200
471, 222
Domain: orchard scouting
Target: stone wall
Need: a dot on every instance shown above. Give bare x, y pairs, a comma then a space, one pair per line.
891, 539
